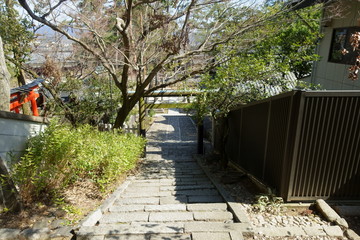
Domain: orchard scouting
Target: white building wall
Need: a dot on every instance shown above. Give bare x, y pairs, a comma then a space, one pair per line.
334, 76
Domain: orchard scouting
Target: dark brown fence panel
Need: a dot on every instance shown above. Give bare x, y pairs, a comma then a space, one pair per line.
304, 144
277, 140
253, 138
327, 163
233, 139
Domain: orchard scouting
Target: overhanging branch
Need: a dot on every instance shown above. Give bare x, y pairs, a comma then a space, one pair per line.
54, 27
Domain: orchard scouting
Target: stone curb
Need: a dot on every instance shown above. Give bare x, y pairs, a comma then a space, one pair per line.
46, 233
96, 215
233, 206
35, 234
9, 234
340, 230
330, 214
351, 235
31, 233
331, 231
115, 195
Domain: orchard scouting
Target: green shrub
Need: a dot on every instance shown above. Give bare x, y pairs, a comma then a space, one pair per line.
151, 113
62, 155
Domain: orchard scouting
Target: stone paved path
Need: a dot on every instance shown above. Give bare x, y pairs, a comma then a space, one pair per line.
172, 198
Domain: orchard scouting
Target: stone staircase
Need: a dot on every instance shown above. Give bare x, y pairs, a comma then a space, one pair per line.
171, 198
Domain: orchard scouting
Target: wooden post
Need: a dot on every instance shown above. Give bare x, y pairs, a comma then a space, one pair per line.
200, 139
32, 97
142, 130
142, 112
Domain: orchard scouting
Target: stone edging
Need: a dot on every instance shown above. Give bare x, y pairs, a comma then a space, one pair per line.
339, 230
233, 206
23, 117
335, 218
36, 233
65, 232
95, 216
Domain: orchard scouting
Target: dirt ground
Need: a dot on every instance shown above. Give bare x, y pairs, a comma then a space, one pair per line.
78, 200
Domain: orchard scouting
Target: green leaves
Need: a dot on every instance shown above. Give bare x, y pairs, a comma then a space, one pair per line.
62, 155
259, 59
268, 203
92, 101
16, 34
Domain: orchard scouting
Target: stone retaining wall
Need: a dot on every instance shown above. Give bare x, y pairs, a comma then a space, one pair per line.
15, 130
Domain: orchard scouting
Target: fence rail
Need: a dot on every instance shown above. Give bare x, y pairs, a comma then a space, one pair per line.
304, 144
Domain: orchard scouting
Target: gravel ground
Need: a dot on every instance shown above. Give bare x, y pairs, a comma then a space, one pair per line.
283, 215
297, 238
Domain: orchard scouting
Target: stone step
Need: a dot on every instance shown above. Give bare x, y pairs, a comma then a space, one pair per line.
173, 200
129, 229
143, 189
154, 215
169, 237
171, 216
217, 227
141, 194
141, 201
146, 181
211, 236
213, 216
206, 207
166, 208
185, 182
195, 207
197, 192
127, 208
125, 217
205, 199
186, 187
144, 184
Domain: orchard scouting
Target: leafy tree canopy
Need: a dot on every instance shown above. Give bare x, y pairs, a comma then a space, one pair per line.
146, 45
16, 34
262, 65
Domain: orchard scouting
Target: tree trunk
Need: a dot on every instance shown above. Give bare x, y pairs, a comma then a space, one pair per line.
128, 105
122, 113
21, 77
4, 82
26, 107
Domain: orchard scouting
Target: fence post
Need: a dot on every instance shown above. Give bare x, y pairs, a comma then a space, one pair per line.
200, 137
142, 130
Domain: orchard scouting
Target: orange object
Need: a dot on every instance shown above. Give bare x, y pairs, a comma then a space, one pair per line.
25, 94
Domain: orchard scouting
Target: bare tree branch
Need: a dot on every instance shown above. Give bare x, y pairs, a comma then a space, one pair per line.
104, 61
151, 38
128, 14
52, 9
181, 79
187, 16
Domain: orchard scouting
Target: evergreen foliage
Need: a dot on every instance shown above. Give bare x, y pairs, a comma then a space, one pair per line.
16, 34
